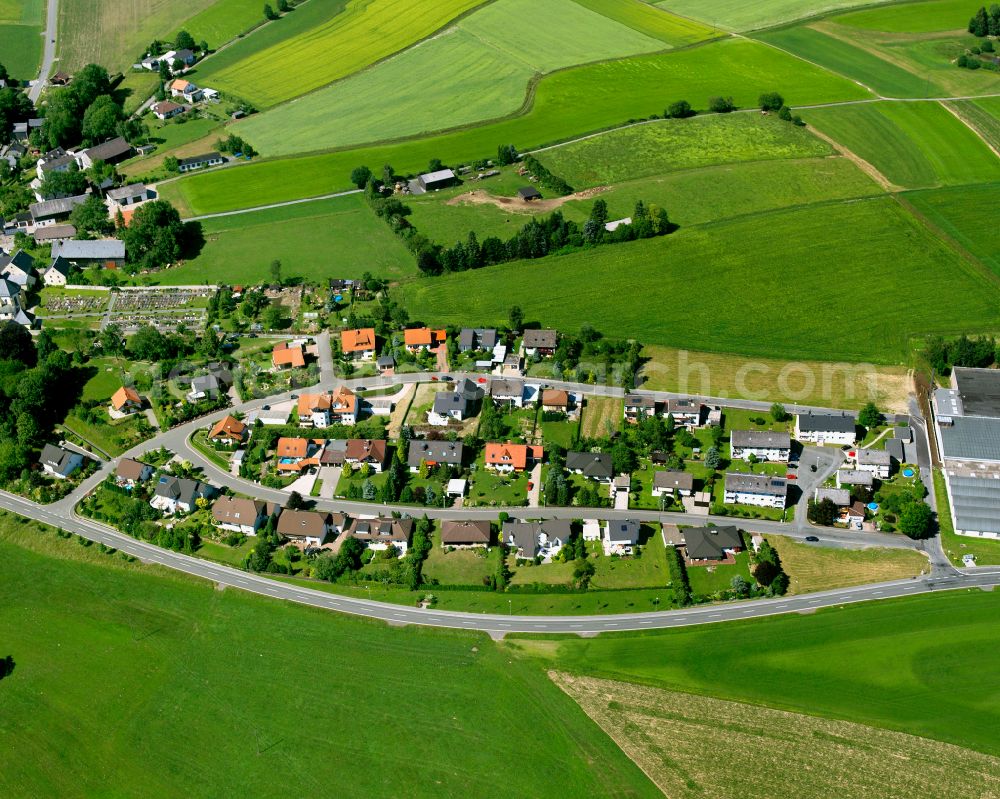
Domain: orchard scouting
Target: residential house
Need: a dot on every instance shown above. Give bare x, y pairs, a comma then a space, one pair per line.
621, 535
55, 211
334, 453
57, 160
179, 495
435, 453
855, 477
592, 465
239, 515
431, 181
423, 339
180, 87
712, 544
307, 528
876, 461
218, 381
200, 162
840, 497
229, 430
288, 356
101, 252
185, 56
381, 533
468, 533
556, 400
296, 454
824, 428
152, 62
322, 410
669, 482
344, 407
59, 461
448, 406
18, 269
110, 152
507, 391
127, 196
763, 445
385, 365
131, 472
358, 343
366, 452
639, 407
512, 457
48, 234
685, 412
167, 109
10, 299
539, 342
476, 339
126, 400
755, 489
854, 516
534, 539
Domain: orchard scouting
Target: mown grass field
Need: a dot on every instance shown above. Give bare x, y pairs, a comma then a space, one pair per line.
924, 666
674, 144
360, 34
479, 69
566, 104
667, 290
824, 384
926, 17
224, 20
853, 62
968, 214
738, 15
983, 115
328, 238
115, 663
647, 19
21, 25
649, 722
915, 145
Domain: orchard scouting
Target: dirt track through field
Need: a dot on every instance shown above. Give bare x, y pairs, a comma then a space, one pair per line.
517, 205
866, 167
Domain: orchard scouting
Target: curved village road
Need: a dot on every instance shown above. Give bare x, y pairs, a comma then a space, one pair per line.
496, 625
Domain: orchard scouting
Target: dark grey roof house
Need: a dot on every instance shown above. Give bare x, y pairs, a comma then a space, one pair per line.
712, 543
595, 465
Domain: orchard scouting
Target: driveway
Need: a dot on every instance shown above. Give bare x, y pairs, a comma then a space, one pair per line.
304, 485
330, 476
536, 480
826, 460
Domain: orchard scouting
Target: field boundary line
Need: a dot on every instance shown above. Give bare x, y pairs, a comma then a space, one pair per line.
865, 166
814, 63
274, 205
947, 105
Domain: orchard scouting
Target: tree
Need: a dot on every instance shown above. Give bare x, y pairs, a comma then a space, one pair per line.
778, 413
771, 101
623, 460
92, 216
823, 512
171, 164
149, 344
681, 109
368, 490
721, 105
16, 344
112, 340
516, 317
979, 25
785, 114
435, 165
283, 6
295, 501
739, 586
276, 272
70, 183
184, 41
360, 176
90, 83
101, 173
506, 155
712, 458
916, 520
273, 318
582, 572
269, 13
870, 416
156, 236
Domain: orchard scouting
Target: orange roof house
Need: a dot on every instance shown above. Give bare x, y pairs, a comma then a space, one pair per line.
512, 457
361, 340
126, 398
284, 356
228, 429
293, 447
555, 398
423, 338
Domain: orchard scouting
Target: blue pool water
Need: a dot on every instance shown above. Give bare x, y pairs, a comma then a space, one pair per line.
907, 472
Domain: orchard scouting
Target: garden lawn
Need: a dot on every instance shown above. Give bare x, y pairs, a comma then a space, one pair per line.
648, 19
647, 571
665, 290
315, 240
813, 568
477, 70
194, 662
113, 437
560, 433
966, 213
922, 665
460, 566
915, 145
566, 104
740, 15
316, 45
709, 580
675, 144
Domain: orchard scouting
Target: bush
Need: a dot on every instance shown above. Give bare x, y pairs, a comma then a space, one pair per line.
771, 101
679, 110
680, 588
721, 105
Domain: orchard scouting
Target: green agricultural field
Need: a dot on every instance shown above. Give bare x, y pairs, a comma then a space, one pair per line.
647, 19
968, 214
225, 20
566, 104
675, 144
21, 46
477, 70
915, 145
910, 665
852, 62
983, 116
666, 290
929, 17
363, 33
317, 240
183, 660
739, 15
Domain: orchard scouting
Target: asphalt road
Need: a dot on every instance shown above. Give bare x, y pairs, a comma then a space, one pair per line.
494, 624
48, 51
